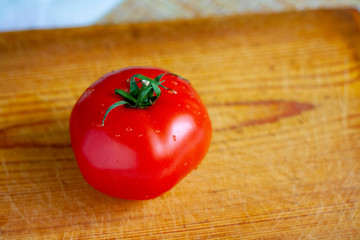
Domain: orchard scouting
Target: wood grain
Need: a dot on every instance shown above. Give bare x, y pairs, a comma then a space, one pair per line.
283, 93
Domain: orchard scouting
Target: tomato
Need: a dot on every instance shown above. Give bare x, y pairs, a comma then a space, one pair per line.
139, 151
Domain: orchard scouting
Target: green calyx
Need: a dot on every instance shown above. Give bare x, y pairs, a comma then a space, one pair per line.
140, 97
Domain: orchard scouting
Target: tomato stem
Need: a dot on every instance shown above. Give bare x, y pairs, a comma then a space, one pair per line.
142, 97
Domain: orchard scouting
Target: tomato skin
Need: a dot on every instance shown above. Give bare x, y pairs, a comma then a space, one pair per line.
139, 153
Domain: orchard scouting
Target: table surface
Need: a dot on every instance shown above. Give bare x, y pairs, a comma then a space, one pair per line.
283, 94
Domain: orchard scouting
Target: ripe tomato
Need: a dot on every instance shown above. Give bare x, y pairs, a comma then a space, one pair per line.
139, 151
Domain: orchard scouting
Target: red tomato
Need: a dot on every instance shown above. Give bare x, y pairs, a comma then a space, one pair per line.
139, 153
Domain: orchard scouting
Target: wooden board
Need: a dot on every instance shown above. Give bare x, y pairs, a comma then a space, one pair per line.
283, 93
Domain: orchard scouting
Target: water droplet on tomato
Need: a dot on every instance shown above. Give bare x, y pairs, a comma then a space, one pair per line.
140, 135
199, 113
179, 105
90, 89
174, 82
185, 164
99, 125
174, 138
157, 131
117, 135
128, 129
187, 106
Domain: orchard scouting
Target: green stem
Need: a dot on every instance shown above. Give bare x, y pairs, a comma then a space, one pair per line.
142, 97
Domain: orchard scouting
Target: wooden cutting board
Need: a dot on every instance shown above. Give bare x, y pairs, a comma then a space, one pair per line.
283, 94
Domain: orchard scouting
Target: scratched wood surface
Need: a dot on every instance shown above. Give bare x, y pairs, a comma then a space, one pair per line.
283, 93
